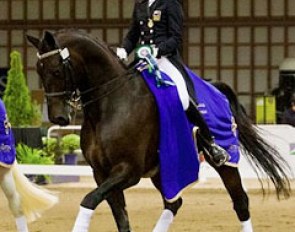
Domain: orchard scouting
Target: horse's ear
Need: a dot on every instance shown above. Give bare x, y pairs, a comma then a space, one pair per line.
34, 41
49, 39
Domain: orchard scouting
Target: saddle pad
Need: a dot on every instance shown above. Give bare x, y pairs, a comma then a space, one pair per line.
179, 165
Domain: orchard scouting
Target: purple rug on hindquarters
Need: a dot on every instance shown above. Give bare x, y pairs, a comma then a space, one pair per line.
215, 109
7, 146
179, 165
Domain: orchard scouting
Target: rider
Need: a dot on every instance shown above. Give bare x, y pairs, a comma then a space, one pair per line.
159, 23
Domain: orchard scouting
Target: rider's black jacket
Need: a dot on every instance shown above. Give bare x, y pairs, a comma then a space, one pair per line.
160, 24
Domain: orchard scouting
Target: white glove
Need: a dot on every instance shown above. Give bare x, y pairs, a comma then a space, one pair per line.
122, 54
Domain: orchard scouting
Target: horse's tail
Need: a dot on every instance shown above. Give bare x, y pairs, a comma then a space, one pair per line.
264, 158
34, 199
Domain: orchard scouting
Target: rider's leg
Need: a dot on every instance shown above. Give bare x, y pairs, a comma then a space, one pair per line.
218, 154
168, 68
205, 140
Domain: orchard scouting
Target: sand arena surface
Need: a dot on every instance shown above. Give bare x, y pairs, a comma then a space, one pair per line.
206, 208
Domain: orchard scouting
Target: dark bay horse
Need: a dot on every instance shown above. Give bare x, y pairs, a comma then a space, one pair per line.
120, 131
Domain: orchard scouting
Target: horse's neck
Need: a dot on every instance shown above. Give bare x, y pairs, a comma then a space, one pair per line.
93, 59
101, 67
104, 74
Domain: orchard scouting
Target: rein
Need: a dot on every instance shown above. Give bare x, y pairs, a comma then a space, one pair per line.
129, 73
76, 95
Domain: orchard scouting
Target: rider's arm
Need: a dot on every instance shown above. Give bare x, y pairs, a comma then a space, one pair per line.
174, 27
132, 37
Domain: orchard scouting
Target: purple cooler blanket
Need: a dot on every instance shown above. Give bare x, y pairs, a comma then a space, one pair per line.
179, 165
215, 109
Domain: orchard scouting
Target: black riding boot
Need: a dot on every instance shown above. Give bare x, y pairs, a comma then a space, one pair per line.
217, 154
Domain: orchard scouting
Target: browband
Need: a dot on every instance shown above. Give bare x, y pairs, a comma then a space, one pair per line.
64, 53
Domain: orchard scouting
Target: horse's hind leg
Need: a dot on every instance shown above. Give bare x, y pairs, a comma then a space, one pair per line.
116, 201
14, 201
170, 209
121, 176
232, 181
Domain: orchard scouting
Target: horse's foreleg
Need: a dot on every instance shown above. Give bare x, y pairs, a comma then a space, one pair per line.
232, 181
116, 201
14, 201
121, 177
170, 209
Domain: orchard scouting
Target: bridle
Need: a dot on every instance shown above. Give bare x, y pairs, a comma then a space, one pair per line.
73, 97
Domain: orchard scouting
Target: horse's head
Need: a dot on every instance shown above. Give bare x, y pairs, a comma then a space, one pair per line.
54, 68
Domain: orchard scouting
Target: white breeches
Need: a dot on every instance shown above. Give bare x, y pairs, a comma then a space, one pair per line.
168, 68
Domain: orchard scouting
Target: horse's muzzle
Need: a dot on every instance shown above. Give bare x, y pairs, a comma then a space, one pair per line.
61, 120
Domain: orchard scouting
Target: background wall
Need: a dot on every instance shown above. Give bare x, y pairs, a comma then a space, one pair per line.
240, 42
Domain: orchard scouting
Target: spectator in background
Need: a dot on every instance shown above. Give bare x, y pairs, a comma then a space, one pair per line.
289, 114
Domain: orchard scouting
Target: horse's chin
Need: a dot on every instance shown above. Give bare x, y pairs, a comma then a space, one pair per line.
63, 123
60, 120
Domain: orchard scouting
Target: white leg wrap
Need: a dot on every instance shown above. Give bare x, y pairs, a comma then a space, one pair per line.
83, 220
247, 226
164, 221
21, 224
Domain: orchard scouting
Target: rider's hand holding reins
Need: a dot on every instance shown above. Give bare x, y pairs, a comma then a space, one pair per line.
122, 54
